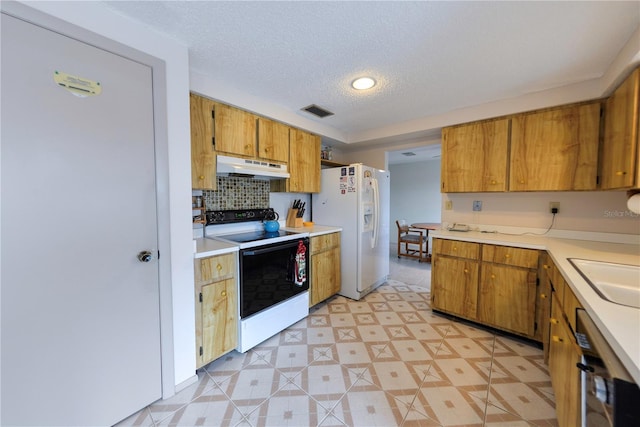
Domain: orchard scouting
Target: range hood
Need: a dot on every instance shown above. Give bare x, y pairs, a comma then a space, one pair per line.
260, 169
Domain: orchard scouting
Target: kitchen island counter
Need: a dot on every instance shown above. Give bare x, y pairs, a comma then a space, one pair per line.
619, 324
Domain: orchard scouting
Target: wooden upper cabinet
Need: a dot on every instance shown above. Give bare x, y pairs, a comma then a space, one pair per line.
203, 155
235, 131
273, 140
474, 157
555, 149
619, 156
304, 162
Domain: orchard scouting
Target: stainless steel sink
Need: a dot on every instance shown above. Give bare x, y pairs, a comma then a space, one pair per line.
618, 283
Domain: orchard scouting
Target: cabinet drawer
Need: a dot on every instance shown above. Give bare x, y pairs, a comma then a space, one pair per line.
517, 257
456, 248
214, 268
324, 242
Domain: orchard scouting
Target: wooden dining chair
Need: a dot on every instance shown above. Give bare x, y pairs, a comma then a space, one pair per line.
408, 239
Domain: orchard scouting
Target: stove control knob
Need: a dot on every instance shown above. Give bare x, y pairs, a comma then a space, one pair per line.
250, 214
216, 216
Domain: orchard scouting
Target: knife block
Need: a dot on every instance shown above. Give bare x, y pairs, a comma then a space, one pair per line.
293, 220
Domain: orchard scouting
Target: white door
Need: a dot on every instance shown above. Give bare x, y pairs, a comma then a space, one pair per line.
80, 312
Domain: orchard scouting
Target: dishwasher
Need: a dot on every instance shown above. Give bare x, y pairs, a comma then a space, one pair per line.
610, 397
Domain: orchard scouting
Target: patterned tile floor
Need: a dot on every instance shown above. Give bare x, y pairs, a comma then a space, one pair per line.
386, 360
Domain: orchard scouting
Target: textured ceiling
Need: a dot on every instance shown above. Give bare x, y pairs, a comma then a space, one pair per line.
429, 58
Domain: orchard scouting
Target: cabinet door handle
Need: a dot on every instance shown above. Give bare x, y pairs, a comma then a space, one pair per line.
545, 266
223, 293
219, 267
553, 321
466, 270
493, 276
493, 182
455, 248
543, 296
507, 255
620, 173
201, 177
556, 338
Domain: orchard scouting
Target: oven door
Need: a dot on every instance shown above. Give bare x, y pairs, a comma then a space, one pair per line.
271, 274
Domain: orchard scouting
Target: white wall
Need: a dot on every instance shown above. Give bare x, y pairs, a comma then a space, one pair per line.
592, 211
98, 18
415, 194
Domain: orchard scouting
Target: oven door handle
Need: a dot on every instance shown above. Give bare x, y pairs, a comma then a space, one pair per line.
271, 249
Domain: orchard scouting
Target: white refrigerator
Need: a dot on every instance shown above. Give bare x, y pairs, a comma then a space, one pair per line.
356, 198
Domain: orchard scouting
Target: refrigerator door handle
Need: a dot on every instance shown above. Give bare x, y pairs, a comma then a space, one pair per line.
376, 213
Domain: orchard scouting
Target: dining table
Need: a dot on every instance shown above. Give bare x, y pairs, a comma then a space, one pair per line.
426, 226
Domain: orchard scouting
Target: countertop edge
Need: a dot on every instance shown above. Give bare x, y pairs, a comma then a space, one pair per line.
314, 230
205, 247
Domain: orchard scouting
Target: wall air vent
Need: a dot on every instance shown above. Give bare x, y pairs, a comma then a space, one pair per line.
317, 111
409, 154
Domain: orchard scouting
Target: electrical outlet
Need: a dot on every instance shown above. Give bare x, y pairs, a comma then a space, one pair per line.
554, 207
477, 205
448, 205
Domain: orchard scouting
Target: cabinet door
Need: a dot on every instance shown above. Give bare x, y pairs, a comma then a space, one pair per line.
325, 275
219, 319
565, 376
454, 286
508, 298
474, 157
555, 149
235, 131
203, 155
273, 140
304, 162
543, 305
619, 156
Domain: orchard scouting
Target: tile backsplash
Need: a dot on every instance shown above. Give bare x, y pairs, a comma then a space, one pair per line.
238, 193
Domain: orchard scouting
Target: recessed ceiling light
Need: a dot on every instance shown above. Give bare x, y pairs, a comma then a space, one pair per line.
363, 83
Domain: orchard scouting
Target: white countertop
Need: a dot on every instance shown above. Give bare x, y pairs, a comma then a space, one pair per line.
619, 324
314, 230
205, 247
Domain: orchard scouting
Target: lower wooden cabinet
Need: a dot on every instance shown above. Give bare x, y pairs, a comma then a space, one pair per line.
325, 267
491, 284
454, 284
507, 296
216, 297
564, 354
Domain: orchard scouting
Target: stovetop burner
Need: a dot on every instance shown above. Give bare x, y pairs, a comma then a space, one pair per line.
253, 236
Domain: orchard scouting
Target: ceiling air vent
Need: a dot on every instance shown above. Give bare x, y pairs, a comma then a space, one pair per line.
409, 154
317, 111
